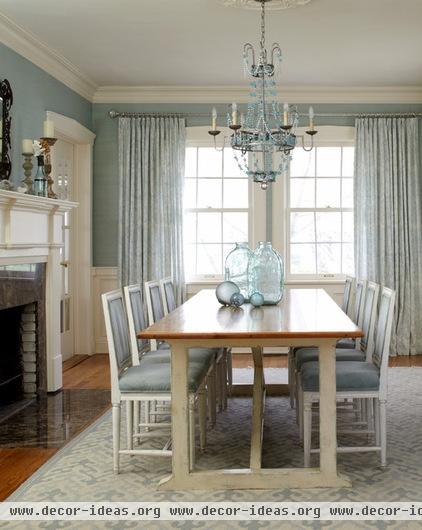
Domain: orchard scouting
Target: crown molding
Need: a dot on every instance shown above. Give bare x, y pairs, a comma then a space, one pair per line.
227, 94
29, 46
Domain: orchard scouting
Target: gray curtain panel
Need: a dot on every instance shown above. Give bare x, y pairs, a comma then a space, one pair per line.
151, 172
388, 214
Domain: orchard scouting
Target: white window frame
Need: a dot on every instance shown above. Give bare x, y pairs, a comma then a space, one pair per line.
328, 136
199, 137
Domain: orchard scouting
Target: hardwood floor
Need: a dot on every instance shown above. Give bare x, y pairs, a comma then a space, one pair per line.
92, 373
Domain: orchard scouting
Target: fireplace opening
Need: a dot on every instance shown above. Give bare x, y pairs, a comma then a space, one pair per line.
11, 363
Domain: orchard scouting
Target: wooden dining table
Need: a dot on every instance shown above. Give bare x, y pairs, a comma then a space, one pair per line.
305, 317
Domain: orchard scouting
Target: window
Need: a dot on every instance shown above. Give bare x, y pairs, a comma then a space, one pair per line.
216, 202
320, 212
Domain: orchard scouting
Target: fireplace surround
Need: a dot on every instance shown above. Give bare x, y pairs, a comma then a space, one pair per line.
31, 236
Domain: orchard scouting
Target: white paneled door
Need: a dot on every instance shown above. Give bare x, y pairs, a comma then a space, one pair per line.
63, 166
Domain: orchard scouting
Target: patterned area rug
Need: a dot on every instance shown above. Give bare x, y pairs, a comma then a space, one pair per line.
82, 471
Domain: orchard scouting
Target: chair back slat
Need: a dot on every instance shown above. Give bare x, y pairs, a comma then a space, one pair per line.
167, 294
136, 320
369, 318
359, 301
384, 325
347, 294
155, 305
117, 336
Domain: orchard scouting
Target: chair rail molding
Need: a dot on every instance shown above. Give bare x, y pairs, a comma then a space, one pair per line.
82, 139
32, 48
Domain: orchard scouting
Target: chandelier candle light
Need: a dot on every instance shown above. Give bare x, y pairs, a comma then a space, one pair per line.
265, 130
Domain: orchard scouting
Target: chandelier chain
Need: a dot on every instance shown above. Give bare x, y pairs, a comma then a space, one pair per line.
262, 27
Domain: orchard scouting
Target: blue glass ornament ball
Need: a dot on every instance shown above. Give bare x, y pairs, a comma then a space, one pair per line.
256, 299
225, 291
237, 299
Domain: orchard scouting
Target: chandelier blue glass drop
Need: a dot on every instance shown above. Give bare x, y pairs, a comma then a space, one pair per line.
265, 137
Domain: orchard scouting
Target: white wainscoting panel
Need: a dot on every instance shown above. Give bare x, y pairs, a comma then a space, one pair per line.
104, 279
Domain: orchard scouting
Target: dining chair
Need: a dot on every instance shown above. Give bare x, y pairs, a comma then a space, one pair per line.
144, 382
155, 307
361, 353
355, 380
224, 370
348, 294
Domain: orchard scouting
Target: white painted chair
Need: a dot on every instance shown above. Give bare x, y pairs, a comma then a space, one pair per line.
224, 370
357, 314
355, 380
143, 382
348, 294
156, 311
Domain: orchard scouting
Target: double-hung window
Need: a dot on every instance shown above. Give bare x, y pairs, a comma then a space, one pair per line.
319, 213
217, 207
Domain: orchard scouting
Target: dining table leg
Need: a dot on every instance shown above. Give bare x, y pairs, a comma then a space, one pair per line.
180, 419
258, 404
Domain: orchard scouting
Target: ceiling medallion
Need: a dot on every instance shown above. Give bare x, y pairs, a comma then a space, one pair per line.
273, 5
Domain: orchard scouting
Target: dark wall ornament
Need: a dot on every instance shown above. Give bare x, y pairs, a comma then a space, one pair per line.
6, 102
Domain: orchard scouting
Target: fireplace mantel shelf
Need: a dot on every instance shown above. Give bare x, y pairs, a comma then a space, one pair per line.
12, 199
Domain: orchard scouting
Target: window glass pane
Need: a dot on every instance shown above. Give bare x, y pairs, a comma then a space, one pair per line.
347, 193
348, 161
328, 227
190, 260
231, 167
190, 162
302, 163
235, 193
348, 227
235, 227
302, 259
328, 193
329, 258
209, 259
189, 197
302, 193
302, 227
328, 161
348, 266
209, 162
209, 227
189, 228
209, 193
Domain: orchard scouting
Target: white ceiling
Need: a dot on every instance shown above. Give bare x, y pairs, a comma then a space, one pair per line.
199, 42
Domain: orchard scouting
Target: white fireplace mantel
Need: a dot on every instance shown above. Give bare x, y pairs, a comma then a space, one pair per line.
31, 231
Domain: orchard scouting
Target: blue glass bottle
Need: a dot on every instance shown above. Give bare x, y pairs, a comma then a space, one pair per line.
40, 183
236, 267
266, 273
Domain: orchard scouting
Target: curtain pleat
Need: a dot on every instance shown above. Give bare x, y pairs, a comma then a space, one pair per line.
388, 213
151, 171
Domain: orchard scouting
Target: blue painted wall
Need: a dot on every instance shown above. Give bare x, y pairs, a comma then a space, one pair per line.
35, 92
105, 208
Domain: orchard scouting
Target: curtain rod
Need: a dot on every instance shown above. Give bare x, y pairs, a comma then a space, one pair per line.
115, 114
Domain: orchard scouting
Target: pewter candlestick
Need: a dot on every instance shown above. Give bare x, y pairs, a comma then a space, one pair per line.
46, 144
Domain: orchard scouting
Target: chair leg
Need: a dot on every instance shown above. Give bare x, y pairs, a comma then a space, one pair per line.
229, 370
212, 400
129, 424
299, 409
377, 422
147, 414
136, 417
307, 430
291, 378
219, 386
383, 431
224, 381
202, 398
116, 437
192, 432
298, 391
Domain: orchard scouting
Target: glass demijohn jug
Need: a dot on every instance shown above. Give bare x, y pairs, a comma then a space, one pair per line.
266, 273
236, 267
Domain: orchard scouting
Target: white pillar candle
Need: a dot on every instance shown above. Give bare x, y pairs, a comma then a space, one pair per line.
234, 113
48, 129
214, 119
311, 118
27, 147
286, 114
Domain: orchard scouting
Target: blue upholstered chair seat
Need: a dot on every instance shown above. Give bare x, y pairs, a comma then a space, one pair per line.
156, 377
348, 344
350, 376
202, 355
306, 355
